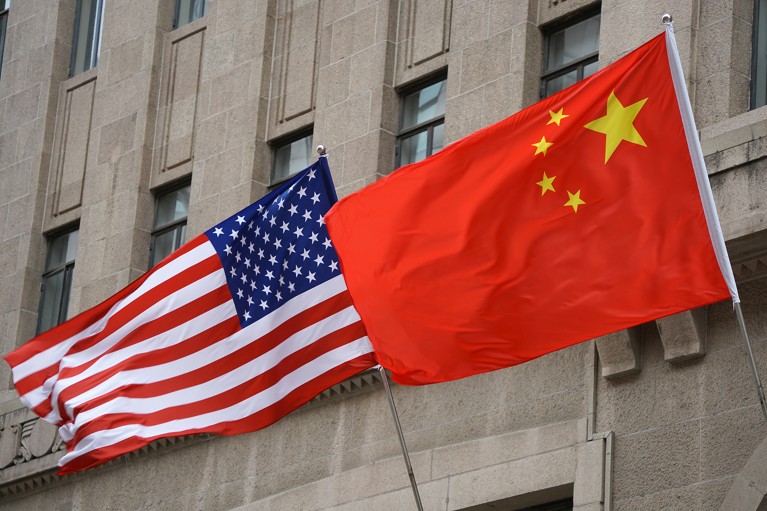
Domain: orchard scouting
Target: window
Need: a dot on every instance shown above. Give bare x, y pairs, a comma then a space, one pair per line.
57, 280
292, 156
4, 6
759, 56
189, 10
86, 41
571, 54
169, 231
422, 125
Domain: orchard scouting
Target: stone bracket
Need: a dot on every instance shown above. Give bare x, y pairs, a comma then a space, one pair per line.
619, 353
683, 335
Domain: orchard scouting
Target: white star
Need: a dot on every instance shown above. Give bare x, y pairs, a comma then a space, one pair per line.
292, 248
233, 272
321, 220
285, 227
334, 266
311, 276
281, 204
269, 274
278, 295
250, 300
305, 254
237, 257
272, 221
247, 262
257, 270
251, 248
307, 215
313, 237
285, 264
252, 286
258, 230
315, 198
240, 293
228, 250
277, 243
218, 231
299, 232
250, 225
265, 237
260, 208
263, 305
291, 287
297, 272
260, 253
327, 243
311, 174
282, 279
292, 209
267, 290
272, 259
302, 192
240, 220
246, 315
319, 260
242, 240
244, 279
234, 234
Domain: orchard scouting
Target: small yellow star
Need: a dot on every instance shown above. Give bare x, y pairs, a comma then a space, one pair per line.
618, 124
542, 146
557, 117
546, 184
575, 200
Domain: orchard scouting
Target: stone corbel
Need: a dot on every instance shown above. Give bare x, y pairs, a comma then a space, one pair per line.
683, 335
619, 353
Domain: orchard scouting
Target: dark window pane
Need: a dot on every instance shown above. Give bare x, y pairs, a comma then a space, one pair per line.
573, 43
559, 83
413, 148
3, 29
172, 206
87, 35
62, 249
163, 246
423, 105
292, 157
590, 69
189, 10
438, 138
759, 79
50, 303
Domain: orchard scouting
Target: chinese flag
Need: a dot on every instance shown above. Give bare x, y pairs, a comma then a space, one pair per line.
576, 217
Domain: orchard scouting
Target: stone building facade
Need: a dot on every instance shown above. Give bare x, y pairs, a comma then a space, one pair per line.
108, 112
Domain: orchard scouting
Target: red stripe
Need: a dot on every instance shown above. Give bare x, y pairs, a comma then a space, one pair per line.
247, 353
228, 397
257, 421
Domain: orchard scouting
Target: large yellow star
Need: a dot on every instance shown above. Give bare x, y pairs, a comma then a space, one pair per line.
556, 117
546, 184
542, 146
575, 200
618, 124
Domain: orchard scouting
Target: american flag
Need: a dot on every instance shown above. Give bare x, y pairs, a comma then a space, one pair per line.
230, 333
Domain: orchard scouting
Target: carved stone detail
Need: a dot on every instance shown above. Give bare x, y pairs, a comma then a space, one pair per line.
620, 353
425, 38
683, 335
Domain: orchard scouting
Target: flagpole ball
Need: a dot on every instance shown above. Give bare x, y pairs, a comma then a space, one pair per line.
666, 19
321, 150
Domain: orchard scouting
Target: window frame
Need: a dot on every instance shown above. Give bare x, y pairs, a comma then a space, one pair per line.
67, 267
425, 126
5, 8
172, 226
94, 42
752, 93
282, 142
578, 65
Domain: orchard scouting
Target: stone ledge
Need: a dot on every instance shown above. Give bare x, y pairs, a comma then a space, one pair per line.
619, 353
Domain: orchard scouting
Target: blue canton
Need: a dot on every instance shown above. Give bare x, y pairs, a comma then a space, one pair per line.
278, 247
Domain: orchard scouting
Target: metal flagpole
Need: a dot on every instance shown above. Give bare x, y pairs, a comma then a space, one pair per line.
707, 198
410, 474
744, 334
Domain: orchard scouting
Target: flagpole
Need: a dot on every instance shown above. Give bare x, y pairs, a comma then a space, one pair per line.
707, 198
405, 454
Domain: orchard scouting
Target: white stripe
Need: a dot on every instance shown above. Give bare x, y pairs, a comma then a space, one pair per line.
54, 354
699, 164
196, 289
243, 409
223, 383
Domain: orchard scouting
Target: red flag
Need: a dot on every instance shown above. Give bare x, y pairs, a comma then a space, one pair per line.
576, 217
233, 331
